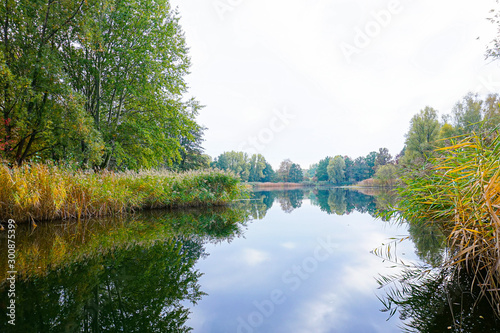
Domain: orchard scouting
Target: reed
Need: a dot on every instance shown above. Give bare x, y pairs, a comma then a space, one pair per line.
46, 192
460, 192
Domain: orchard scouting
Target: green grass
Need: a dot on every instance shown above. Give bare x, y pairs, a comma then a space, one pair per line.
44, 192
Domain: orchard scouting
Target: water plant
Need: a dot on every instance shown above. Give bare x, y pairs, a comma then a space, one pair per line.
47, 192
459, 191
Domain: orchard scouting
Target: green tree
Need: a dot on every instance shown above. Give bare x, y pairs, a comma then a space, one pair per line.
284, 170
269, 174
491, 111
311, 172
321, 171
295, 174
383, 157
129, 59
40, 109
467, 114
422, 136
336, 170
236, 162
386, 175
257, 167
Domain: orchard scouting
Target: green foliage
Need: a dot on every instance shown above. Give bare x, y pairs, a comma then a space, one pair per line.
100, 83
321, 171
387, 175
295, 174
336, 170
422, 136
460, 192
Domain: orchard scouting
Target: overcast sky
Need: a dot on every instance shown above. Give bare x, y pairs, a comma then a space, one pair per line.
305, 79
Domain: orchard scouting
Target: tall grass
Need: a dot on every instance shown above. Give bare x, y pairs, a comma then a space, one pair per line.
460, 192
45, 192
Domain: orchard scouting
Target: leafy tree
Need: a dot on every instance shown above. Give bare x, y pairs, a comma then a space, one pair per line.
295, 174
383, 157
40, 110
191, 152
257, 167
129, 64
321, 171
336, 170
386, 175
100, 82
236, 162
349, 169
284, 170
491, 111
421, 138
269, 174
466, 114
371, 161
311, 172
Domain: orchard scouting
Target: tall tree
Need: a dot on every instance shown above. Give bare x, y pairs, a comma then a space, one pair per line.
40, 110
257, 167
236, 162
284, 170
383, 157
420, 140
321, 171
466, 114
336, 170
129, 59
295, 174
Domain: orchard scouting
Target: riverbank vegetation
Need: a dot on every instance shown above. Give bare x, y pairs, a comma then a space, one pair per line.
458, 190
43, 192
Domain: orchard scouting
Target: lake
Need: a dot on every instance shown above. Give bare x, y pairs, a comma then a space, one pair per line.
280, 261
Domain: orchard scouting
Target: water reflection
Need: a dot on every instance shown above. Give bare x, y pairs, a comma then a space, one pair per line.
336, 201
115, 275
432, 297
440, 300
140, 274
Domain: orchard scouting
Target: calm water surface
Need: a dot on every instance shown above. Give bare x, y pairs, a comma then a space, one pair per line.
307, 268
295, 261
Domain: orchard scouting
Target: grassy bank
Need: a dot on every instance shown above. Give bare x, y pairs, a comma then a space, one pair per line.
42, 192
460, 192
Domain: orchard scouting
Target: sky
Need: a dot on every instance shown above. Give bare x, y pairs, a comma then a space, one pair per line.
306, 79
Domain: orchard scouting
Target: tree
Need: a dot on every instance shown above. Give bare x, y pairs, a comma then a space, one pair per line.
491, 111
321, 171
129, 59
421, 138
269, 174
311, 172
336, 170
236, 162
257, 167
349, 169
466, 114
100, 82
371, 161
295, 174
284, 170
386, 175
39, 108
383, 157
